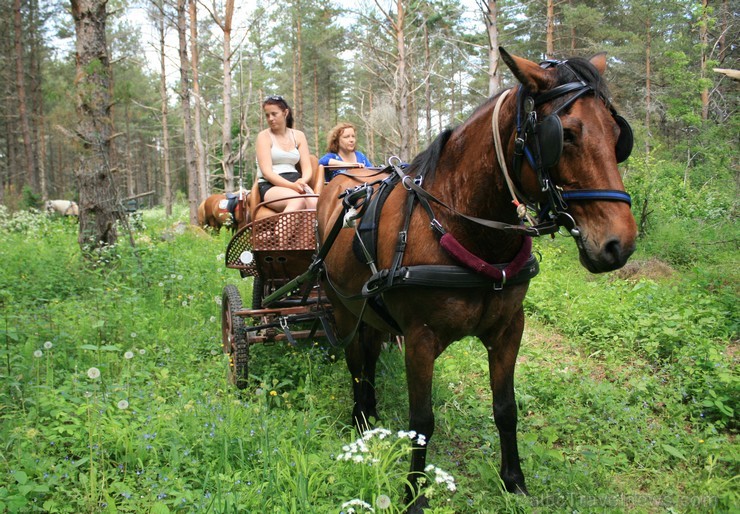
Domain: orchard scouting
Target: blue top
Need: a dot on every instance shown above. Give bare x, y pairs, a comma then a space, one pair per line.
324, 161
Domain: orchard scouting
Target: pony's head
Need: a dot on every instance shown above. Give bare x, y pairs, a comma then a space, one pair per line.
569, 139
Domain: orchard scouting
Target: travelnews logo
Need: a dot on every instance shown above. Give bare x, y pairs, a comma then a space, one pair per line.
623, 501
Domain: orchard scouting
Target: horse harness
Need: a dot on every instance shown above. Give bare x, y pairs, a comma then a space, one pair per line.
230, 204
365, 202
540, 143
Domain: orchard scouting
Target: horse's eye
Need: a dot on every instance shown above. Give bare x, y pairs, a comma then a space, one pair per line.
569, 137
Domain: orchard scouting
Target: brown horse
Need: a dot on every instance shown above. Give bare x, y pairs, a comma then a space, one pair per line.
225, 209
559, 144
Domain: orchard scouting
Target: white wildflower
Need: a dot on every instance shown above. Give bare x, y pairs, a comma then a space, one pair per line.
38, 354
93, 373
357, 503
128, 355
48, 345
123, 405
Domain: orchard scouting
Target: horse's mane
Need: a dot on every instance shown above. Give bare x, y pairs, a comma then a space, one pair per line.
425, 164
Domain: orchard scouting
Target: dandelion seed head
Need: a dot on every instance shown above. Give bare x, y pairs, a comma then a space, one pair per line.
133, 335
142, 351
38, 354
123, 405
383, 502
212, 319
93, 373
128, 355
48, 345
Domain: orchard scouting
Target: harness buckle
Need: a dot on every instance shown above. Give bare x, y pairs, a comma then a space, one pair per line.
500, 285
519, 143
437, 226
417, 180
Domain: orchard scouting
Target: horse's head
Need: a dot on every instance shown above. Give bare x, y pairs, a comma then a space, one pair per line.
569, 140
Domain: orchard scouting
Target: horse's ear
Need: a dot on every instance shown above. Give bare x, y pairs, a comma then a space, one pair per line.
530, 74
599, 62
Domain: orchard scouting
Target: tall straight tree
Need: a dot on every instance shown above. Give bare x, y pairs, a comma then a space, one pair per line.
227, 158
187, 117
200, 153
99, 202
490, 18
157, 13
23, 111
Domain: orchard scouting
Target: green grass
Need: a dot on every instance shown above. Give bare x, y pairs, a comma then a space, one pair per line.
627, 393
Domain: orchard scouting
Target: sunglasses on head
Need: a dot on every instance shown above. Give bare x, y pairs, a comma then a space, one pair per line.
274, 98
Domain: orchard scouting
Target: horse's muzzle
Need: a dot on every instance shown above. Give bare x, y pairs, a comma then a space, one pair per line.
609, 256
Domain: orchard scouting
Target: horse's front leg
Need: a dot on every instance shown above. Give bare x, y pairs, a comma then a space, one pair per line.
502, 353
362, 357
419, 372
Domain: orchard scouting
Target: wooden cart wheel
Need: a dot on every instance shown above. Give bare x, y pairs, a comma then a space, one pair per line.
234, 337
257, 292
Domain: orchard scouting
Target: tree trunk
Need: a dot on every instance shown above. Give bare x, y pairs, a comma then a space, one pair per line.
227, 157
99, 203
648, 92
402, 85
316, 106
704, 41
38, 100
28, 163
550, 30
200, 155
298, 66
187, 117
490, 15
427, 86
165, 112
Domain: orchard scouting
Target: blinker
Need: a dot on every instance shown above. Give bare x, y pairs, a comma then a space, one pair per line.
623, 149
550, 140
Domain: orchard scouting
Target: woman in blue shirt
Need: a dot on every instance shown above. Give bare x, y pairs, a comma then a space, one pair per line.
342, 149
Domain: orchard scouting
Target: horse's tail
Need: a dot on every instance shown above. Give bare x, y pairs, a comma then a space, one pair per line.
202, 213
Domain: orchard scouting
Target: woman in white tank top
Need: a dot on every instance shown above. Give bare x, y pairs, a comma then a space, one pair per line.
280, 148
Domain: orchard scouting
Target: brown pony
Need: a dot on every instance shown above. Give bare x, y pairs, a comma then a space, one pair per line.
214, 212
560, 142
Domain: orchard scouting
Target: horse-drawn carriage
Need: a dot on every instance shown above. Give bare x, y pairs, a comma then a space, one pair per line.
275, 249
441, 249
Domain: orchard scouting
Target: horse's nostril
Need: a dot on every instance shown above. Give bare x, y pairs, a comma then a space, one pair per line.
615, 253
613, 250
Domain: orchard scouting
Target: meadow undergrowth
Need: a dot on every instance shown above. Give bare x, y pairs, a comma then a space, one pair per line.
114, 394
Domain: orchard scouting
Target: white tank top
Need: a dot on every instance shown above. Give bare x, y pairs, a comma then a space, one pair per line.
282, 161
